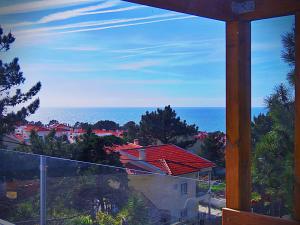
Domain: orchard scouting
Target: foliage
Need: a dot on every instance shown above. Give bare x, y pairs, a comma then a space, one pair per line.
52, 122
218, 188
101, 124
273, 144
134, 213
288, 54
213, 148
84, 126
82, 220
107, 219
131, 131
163, 125
10, 94
262, 124
106, 124
91, 148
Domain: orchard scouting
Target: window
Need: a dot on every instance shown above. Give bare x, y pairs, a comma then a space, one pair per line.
184, 188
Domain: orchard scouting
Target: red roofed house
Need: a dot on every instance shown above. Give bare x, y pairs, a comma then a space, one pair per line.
144, 164
61, 129
103, 132
23, 132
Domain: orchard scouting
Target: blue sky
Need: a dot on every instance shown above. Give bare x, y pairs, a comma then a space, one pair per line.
91, 53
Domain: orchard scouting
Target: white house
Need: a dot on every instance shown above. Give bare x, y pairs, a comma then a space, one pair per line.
167, 175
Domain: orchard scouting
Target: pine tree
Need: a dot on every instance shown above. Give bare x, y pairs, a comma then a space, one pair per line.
163, 125
11, 78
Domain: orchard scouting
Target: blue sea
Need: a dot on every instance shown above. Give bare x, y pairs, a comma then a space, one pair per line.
206, 118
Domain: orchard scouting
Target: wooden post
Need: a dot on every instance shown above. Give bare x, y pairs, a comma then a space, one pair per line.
297, 123
238, 115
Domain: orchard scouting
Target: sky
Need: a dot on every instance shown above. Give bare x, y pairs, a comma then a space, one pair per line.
90, 53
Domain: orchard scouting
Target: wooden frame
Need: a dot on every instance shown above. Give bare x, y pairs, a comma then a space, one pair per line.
223, 10
238, 15
297, 123
238, 114
236, 217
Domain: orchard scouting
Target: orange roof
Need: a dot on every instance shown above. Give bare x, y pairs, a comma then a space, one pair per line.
171, 159
108, 132
35, 128
126, 146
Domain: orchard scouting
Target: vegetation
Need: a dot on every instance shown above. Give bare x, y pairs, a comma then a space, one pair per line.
11, 78
101, 124
162, 126
213, 148
273, 145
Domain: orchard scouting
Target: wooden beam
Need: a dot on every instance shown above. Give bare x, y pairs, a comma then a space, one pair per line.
213, 9
271, 8
238, 114
235, 217
297, 123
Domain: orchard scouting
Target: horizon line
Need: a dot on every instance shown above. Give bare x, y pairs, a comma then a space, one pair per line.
143, 106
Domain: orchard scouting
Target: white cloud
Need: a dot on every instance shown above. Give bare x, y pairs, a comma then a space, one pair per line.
95, 23
127, 25
76, 12
72, 13
39, 5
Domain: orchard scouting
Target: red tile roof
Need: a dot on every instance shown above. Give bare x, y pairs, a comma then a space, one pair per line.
116, 133
171, 159
126, 146
29, 128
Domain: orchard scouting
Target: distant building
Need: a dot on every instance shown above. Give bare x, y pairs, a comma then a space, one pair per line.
144, 164
103, 132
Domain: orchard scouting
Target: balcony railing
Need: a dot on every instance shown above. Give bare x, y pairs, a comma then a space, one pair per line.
37, 189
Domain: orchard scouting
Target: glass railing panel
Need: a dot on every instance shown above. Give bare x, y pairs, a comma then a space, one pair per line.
85, 193
19, 187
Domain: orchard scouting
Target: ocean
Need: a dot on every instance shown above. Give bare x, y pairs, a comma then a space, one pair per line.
206, 118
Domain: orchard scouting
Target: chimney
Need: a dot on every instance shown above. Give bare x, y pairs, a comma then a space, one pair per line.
136, 142
142, 154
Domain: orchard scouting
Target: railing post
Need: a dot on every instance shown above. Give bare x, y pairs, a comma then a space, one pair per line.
297, 122
43, 177
238, 115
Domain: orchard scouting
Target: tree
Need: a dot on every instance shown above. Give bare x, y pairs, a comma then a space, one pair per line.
52, 122
91, 148
213, 148
131, 131
288, 54
82, 186
163, 125
106, 124
10, 94
273, 144
261, 125
84, 126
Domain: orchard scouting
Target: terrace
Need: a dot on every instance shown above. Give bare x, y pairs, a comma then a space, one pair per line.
238, 16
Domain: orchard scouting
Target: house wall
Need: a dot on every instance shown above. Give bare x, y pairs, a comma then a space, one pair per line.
165, 193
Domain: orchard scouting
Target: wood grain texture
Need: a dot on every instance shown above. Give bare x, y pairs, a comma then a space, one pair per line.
235, 217
222, 9
238, 115
297, 123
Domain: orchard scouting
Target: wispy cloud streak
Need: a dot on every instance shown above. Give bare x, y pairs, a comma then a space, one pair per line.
96, 23
68, 14
40, 5
127, 25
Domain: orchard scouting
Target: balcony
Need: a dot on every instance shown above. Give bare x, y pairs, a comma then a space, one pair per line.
37, 189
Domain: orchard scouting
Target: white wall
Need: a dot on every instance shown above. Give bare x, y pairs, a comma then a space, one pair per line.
165, 193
